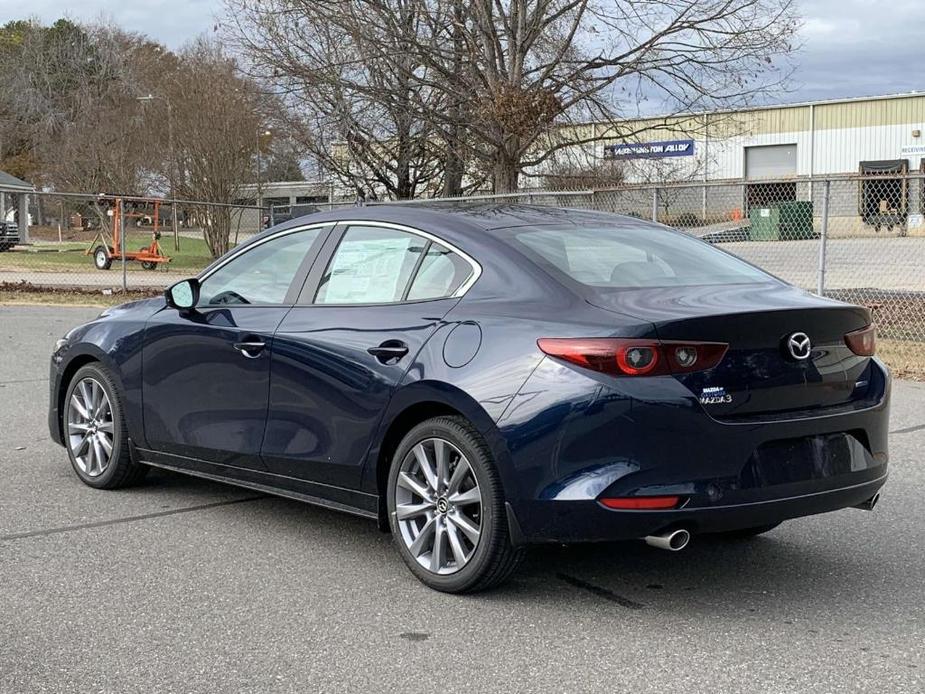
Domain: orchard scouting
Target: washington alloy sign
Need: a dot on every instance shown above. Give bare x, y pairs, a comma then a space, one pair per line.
650, 150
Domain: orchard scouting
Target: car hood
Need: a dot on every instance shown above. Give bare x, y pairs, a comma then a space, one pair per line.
141, 309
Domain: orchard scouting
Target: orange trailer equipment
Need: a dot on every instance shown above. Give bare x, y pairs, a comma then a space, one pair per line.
104, 253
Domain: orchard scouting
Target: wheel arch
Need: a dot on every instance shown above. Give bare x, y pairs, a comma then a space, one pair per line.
417, 403
89, 355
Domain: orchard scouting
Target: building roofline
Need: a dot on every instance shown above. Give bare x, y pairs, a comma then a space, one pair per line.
270, 185
752, 109
9, 182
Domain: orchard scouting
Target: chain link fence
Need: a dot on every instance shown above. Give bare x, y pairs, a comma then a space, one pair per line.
858, 238
113, 242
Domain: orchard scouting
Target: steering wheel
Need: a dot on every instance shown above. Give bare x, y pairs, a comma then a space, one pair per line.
228, 297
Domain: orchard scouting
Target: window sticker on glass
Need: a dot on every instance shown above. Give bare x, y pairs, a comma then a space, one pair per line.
370, 266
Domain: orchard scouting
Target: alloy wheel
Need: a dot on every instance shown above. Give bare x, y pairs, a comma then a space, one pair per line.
438, 506
90, 428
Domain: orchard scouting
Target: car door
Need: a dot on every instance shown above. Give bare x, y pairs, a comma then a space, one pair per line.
366, 310
206, 370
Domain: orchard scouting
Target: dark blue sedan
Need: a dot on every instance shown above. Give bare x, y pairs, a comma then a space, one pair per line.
477, 379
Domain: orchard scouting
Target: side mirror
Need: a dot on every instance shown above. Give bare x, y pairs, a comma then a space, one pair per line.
183, 295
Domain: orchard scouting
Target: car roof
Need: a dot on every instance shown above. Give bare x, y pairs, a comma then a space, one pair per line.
467, 215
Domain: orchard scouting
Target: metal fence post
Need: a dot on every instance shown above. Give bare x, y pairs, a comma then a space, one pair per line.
655, 204
122, 232
820, 287
176, 228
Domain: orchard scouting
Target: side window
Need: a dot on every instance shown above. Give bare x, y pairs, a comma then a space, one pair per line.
370, 266
261, 275
440, 275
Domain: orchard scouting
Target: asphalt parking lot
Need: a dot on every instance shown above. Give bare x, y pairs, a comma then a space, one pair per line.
186, 586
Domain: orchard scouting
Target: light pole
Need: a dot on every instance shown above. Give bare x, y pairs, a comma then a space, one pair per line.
260, 134
170, 167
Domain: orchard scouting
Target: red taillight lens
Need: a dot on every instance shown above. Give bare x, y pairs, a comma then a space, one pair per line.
642, 503
863, 342
631, 357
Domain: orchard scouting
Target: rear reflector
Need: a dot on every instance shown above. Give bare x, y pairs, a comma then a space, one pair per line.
863, 342
635, 357
642, 503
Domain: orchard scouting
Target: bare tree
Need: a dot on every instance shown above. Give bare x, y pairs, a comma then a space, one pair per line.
535, 68
216, 125
350, 74
503, 82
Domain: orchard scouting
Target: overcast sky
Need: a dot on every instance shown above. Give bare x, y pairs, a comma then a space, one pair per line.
850, 47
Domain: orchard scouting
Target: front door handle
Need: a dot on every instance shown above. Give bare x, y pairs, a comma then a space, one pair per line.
251, 348
389, 351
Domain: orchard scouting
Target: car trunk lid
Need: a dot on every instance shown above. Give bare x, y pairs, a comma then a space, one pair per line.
759, 374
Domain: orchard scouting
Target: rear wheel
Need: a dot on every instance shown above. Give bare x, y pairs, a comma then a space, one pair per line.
148, 265
446, 508
4, 247
747, 533
94, 431
101, 258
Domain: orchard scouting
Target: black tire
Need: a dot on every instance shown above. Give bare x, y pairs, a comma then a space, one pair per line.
147, 265
121, 470
494, 558
4, 247
747, 533
101, 258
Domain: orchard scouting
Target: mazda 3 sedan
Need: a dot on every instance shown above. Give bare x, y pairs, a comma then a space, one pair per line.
480, 378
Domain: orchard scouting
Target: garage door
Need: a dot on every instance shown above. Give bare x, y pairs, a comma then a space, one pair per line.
771, 161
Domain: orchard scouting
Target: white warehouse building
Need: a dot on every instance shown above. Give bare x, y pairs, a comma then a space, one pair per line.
768, 155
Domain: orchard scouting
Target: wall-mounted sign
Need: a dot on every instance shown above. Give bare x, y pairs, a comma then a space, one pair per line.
650, 150
911, 150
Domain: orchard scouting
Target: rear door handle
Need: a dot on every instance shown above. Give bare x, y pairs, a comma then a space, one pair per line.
251, 348
389, 351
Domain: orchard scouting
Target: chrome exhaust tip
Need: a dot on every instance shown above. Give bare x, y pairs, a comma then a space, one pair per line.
673, 540
870, 503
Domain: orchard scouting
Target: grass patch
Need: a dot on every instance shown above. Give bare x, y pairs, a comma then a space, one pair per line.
905, 358
69, 256
23, 293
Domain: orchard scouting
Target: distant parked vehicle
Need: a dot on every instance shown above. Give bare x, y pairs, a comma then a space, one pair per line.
9, 235
287, 214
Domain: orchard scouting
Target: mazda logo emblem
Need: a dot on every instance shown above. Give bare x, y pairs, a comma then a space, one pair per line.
799, 346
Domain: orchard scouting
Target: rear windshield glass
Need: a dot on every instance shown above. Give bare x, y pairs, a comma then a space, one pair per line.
620, 257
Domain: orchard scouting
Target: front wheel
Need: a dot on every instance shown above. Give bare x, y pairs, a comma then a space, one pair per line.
446, 508
94, 431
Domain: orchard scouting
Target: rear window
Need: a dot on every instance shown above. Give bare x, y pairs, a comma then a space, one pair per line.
626, 257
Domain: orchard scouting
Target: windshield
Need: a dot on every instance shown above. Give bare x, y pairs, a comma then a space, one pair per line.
612, 257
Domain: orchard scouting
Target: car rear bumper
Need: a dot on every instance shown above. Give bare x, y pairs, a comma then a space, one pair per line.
642, 440
589, 521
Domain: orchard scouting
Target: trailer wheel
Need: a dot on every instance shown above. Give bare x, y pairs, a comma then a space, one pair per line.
101, 258
148, 265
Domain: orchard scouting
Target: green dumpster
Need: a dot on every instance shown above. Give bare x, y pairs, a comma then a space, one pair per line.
765, 223
796, 220
784, 221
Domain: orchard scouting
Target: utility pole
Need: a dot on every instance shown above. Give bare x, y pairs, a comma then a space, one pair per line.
171, 152
261, 133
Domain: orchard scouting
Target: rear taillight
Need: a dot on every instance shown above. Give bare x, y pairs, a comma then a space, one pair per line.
862, 342
632, 357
